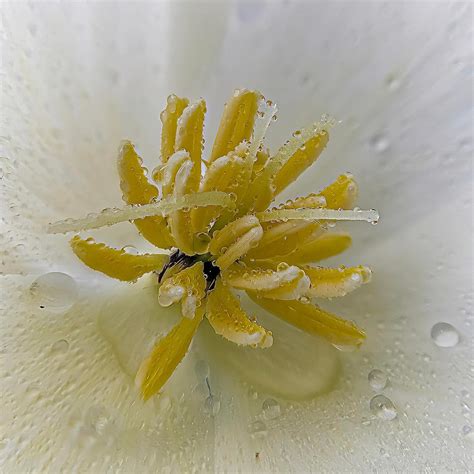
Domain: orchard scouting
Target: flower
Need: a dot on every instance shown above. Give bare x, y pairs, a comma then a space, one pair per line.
78, 77
217, 248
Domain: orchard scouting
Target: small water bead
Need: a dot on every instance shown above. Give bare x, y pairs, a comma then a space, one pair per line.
258, 429
379, 143
271, 409
377, 379
60, 346
130, 249
383, 408
212, 405
468, 432
444, 335
54, 291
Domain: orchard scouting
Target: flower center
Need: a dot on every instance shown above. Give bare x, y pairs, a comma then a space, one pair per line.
179, 261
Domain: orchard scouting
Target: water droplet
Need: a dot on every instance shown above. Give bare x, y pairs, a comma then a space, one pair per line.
444, 335
54, 291
130, 249
379, 143
468, 432
212, 405
382, 407
258, 429
282, 266
271, 409
377, 379
202, 369
60, 346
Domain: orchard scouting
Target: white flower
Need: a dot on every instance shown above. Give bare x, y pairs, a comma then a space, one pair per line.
77, 79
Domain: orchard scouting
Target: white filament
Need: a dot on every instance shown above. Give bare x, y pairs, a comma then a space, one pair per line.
127, 213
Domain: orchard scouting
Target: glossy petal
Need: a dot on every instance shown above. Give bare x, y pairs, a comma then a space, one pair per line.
116, 263
314, 320
229, 320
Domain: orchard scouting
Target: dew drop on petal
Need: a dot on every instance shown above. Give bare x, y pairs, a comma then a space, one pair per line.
383, 408
54, 291
377, 379
271, 409
60, 346
379, 143
130, 249
444, 335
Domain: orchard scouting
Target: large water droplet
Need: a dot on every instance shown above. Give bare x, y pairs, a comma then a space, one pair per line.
383, 407
54, 291
130, 249
377, 379
258, 429
271, 409
444, 335
60, 346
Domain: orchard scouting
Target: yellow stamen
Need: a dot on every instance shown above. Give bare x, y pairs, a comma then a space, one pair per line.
314, 320
333, 282
169, 118
137, 189
322, 247
116, 263
169, 351
229, 320
236, 123
187, 286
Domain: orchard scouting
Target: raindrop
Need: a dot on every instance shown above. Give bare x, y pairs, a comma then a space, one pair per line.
258, 429
444, 335
130, 249
379, 143
271, 409
377, 379
54, 291
382, 407
60, 346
